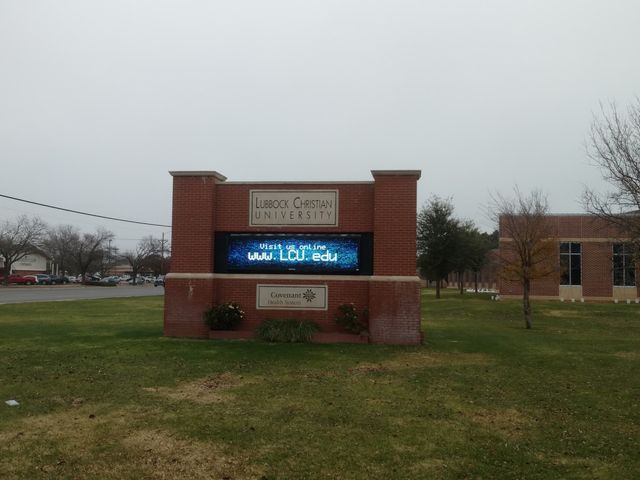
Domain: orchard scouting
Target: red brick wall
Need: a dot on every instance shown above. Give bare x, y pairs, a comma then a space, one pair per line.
394, 243
184, 304
354, 200
596, 237
193, 220
597, 270
243, 291
193, 217
548, 286
395, 312
204, 204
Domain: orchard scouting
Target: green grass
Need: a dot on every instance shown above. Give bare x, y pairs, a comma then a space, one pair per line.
103, 395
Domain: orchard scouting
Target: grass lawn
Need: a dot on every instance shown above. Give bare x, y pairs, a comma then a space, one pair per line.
104, 396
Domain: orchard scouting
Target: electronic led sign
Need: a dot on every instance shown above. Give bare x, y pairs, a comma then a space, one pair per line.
291, 253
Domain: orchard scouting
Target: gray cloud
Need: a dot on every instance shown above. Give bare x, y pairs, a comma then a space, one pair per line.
99, 100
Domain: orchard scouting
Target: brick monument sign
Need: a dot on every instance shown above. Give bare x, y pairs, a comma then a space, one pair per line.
295, 250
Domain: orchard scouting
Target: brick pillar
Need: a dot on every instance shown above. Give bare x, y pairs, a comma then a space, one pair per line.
394, 293
597, 269
394, 312
189, 287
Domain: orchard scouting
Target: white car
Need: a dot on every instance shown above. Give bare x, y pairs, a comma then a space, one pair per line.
113, 279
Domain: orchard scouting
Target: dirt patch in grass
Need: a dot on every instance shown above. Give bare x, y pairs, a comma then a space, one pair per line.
508, 423
586, 466
421, 360
208, 390
73, 428
52, 445
319, 375
80, 444
365, 368
429, 466
160, 454
563, 313
628, 355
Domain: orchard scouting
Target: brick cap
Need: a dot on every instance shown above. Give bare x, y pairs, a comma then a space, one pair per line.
201, 173
380, 173
302, 182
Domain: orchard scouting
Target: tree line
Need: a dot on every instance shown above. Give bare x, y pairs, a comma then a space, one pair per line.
75, 251
449, 245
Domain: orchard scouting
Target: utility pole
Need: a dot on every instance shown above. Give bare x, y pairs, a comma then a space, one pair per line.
109, 258
162, 255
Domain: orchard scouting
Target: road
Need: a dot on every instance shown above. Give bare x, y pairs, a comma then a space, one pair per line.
37, 293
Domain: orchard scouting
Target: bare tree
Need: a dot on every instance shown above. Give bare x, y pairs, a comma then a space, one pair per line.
19, 238
614, 147
89, 250
139, 258
528, 249
158, 261
109, 258
59, 244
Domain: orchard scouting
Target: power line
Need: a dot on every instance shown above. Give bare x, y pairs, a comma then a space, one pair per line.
83, 213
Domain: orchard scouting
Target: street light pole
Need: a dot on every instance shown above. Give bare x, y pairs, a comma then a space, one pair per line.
109, 257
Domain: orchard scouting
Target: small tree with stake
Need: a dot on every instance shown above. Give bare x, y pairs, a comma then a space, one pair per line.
528, 249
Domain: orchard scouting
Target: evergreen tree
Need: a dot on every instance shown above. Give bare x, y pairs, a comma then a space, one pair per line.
437, 240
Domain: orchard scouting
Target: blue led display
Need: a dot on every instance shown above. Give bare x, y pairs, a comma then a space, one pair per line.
282, 253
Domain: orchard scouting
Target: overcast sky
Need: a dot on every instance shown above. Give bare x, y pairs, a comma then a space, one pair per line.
99, 100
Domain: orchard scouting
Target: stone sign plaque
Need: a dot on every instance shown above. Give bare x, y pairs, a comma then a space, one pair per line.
305, 208
291, 297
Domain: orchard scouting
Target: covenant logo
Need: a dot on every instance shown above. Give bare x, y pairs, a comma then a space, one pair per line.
309, 295
293, 207
291, 297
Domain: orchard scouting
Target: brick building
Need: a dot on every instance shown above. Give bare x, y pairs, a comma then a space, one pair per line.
594, 262
34, 263
214, 219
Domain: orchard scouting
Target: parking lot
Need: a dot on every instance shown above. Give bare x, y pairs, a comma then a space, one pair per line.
43, 293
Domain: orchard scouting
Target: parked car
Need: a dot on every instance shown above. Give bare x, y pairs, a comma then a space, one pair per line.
111, 279
136, 281
159, 281
72, 279
59, 280
42, 279
19, 279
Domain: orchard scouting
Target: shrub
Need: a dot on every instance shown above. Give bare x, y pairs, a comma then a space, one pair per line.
352, 321
288, 331
226, 316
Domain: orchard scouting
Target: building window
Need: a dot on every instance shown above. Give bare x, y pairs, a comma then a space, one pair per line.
624, 266
570, 263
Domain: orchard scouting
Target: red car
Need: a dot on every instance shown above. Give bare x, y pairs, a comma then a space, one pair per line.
28, 280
